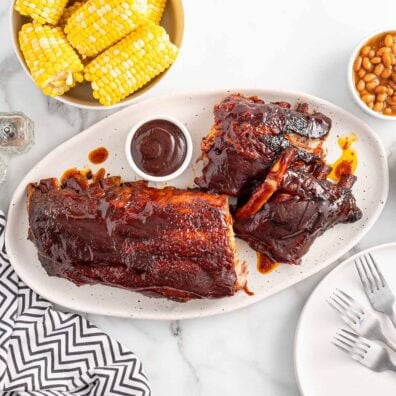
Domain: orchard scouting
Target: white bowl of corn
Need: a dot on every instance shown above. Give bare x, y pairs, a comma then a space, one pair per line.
96, 54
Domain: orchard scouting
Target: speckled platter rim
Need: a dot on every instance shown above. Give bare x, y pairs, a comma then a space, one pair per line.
173, 21
185, 106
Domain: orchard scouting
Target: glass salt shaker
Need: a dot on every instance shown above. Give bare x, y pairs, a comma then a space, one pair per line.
16, 137
16, 133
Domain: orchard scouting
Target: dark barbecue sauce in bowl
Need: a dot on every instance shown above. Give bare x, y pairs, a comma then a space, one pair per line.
159, 148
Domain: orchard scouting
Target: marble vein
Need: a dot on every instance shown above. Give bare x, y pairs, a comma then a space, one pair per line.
177, 332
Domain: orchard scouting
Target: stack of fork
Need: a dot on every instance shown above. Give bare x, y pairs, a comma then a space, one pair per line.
367, 343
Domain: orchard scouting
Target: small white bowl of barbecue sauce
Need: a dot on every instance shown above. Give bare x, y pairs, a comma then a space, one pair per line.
159, 148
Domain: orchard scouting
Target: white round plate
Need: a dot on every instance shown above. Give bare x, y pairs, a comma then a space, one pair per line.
196, 111
321, 368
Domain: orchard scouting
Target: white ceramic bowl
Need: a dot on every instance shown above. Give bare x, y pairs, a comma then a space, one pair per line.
140, 172
351, 83
81, 95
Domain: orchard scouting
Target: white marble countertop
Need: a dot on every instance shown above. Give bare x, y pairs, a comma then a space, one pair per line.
303, 46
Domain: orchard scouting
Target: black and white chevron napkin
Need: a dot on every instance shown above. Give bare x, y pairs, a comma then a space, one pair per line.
47, 352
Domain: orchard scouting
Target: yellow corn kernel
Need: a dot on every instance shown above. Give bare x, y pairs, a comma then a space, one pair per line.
42, 11
98, 24
67, 13
53, 63
130, 64
155, 10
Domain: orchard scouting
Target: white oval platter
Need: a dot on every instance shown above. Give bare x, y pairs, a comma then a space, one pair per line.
195, 110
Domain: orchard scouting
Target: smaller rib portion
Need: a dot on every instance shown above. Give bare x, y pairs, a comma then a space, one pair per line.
302, 208
248, 136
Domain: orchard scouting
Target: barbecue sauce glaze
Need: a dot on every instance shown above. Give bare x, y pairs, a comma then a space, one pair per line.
159, 148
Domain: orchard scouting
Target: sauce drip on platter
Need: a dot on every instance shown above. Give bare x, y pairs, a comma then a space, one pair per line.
78, 179
346, 164
159, 148
248, 291
99, 155
265, 265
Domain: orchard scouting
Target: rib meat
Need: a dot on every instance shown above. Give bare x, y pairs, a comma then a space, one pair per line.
165, 242
249, 135
302, 208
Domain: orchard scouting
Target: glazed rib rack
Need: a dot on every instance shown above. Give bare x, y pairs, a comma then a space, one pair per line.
165, 242
270, 157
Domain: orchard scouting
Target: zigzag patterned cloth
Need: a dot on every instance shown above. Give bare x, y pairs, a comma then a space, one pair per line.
46, 352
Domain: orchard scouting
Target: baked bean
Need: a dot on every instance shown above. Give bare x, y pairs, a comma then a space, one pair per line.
372, 84
369, 77
361, 73
370, 105
382, 50
381, 97
360, 85
368, 98
388, 40
388, 111
365, 50
358, 63
378, 106
390, 91
393, 108
394, 77
391, 102
394, 48
379, 69
386, 73
364, 92
371, 54
381, 89
367, 64
375, 60
387, 59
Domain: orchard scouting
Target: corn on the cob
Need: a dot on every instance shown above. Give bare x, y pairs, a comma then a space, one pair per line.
130, 64
42, 11
67, 13
98, 24
53, 63
155, 10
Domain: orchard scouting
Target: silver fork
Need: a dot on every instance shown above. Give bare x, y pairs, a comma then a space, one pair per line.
377, 290
366, 352
357, 318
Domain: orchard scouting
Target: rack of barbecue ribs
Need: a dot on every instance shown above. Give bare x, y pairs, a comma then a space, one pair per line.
292, 208
270, 156
248, 135
166, 242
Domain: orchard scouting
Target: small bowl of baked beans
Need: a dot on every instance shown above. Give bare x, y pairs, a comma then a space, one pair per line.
372, 75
